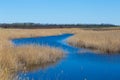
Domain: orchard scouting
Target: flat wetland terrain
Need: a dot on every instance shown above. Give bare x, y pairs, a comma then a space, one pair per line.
102, 40
14, 59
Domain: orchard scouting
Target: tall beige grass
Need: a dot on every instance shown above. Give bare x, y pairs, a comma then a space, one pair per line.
102, 41
13, 59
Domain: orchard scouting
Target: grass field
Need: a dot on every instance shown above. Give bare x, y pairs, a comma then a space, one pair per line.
103, 40
13, 58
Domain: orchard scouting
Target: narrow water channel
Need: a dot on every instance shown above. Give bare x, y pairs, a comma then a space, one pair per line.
78, 64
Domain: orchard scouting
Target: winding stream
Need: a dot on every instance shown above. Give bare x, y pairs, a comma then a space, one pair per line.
78, 64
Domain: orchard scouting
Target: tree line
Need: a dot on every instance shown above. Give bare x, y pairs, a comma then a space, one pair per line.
38, 25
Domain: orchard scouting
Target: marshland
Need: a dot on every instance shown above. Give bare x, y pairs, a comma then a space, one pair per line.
14, 59
59, 39
106, 41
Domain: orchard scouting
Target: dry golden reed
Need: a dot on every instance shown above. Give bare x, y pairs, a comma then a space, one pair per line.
13, 58
103, 41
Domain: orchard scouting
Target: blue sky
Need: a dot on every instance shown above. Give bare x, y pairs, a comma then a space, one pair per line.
60, 11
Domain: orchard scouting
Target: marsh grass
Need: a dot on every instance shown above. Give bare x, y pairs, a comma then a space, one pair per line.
101, 41
14, 59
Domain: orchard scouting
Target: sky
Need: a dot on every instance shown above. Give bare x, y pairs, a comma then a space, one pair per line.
60, 11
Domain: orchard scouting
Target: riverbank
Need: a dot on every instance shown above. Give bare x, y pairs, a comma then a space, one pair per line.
14, 59
103, 41
106, 41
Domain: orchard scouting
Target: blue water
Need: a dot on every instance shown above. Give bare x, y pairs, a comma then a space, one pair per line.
78, 64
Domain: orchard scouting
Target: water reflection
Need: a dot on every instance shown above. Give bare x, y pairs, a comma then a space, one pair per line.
38, 67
